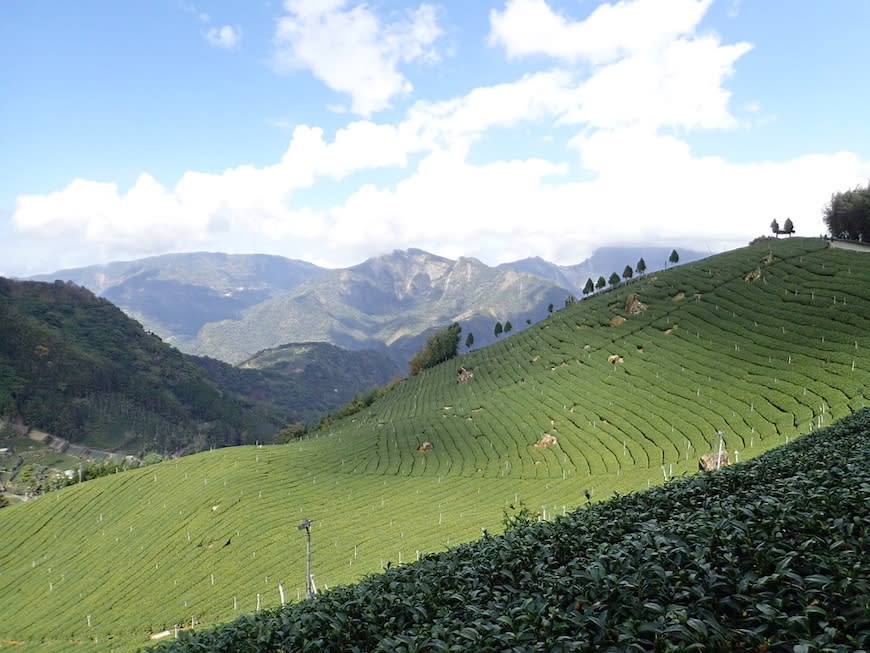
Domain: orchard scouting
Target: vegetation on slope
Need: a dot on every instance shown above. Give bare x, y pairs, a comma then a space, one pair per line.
770, 554
847, 215
440, 346
765, 344
302, 381
76, 366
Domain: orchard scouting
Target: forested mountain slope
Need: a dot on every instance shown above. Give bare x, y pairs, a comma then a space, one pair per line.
303, 380
74, 365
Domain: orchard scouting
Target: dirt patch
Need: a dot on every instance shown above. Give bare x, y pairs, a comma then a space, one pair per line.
633, 305
546, 441
613, 359
680, 296
752, 275
712, 461
668, 332
426, 446
616, 320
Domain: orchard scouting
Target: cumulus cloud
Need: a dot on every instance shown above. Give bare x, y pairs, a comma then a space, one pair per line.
627, 175
226, 37
351, 50
611, 31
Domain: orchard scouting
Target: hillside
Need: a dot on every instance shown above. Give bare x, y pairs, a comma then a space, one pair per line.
391, 302
765, 343
76, 366
303, 380
766, 555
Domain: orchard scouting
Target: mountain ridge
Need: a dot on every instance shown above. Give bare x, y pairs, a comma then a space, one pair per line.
200, 301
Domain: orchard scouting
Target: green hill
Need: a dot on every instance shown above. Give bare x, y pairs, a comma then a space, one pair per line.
764, 344
74, 365
766, 555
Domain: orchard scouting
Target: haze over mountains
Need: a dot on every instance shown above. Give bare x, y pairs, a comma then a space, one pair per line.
232, 306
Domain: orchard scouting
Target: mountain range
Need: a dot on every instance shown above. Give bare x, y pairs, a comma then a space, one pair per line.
230, 306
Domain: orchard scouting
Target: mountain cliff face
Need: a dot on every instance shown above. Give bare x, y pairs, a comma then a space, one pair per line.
388, 302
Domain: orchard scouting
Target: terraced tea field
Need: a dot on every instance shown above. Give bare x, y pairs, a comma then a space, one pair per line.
764, 344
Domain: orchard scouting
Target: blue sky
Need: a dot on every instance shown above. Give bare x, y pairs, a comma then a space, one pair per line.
335, 130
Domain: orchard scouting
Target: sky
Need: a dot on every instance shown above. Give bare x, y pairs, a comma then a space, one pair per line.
336, 130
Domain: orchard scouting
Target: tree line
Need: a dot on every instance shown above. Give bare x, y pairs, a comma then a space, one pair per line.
847, 215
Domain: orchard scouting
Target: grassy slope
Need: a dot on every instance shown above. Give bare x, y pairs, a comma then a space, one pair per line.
148, 549
766, 555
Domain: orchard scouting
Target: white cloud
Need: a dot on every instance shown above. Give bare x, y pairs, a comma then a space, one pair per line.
630, 96
226, 37
678, 86
352, 51
611, 31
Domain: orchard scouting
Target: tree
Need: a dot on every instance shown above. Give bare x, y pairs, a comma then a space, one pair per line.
641, 266
469, 340
847, 215
550, 308
774, 227
440, 346
570, 300
290, 432
600, 283
589, 287
498, 329
788, 227
613, 279
627, 273
508, 327
674, 257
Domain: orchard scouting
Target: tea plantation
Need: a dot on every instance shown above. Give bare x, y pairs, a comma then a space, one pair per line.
767, 555
763, 344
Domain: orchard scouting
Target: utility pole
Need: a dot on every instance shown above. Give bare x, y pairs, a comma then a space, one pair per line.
309, 581
719, 455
